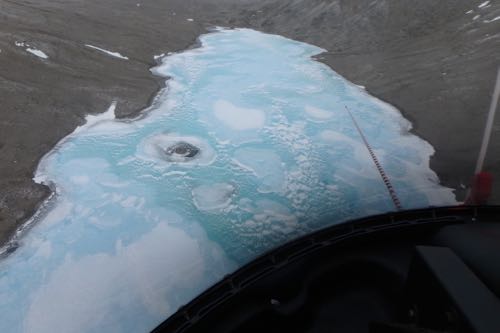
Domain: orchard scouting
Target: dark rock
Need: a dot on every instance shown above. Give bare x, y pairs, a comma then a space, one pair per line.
182, 149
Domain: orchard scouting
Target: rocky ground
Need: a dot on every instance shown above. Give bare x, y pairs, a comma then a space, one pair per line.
429, 58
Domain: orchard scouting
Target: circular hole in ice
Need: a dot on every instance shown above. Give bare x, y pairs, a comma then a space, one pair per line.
186, 150
182, 149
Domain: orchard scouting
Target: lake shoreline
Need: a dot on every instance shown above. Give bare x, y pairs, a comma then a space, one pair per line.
155, 100
61, 92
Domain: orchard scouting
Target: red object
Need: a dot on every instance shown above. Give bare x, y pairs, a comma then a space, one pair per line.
481, 189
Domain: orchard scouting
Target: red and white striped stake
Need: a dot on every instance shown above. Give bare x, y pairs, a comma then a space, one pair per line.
480, 190
385, 178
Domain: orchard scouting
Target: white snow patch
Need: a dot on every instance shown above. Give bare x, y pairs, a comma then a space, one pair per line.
190, 20
318, 114
239, 118
213, 197
44, 250
131, 201
484, 4
269, 217
58, 212
158, 56
92, 120
113, 54
80, 179
469, 12
492, 20
79, 295
31, 50
476, 17
38, 53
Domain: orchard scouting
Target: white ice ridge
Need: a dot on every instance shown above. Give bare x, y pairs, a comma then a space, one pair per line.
113, 54
238, 118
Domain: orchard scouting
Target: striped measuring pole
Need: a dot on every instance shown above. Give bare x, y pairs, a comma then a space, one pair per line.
385, 178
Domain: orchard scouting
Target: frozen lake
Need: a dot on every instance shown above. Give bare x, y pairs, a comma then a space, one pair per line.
249, 146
